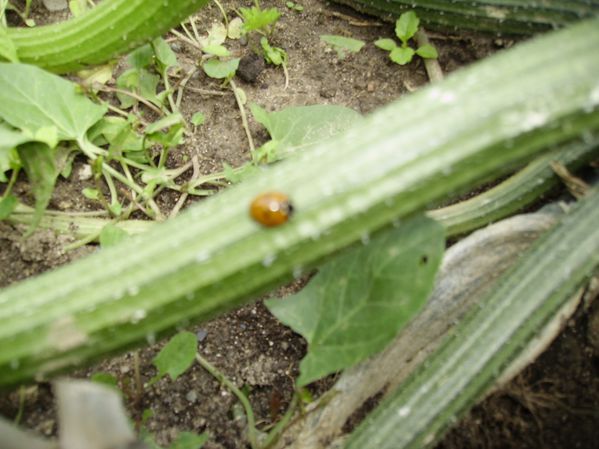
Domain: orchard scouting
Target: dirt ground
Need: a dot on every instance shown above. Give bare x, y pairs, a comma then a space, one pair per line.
553, 404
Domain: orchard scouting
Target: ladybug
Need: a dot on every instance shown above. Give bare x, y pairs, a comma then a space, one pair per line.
271, 209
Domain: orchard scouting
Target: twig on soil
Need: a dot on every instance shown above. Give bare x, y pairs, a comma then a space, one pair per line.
432, 66
244, 119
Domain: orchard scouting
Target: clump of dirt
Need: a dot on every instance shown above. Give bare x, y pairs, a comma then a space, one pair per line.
249, 346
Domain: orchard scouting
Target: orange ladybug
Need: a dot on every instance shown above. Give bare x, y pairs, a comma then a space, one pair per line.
271, 209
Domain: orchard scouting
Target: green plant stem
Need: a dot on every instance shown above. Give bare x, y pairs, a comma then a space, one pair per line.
249, 412
282, 424
244, 120
520, 17
476, 125
112, 28
501, 325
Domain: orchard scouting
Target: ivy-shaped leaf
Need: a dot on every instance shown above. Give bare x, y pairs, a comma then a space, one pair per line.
176, 356
358, 302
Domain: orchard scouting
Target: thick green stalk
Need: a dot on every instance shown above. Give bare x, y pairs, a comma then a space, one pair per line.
108, 30
471, 127
494, 16
484, 344
515, 193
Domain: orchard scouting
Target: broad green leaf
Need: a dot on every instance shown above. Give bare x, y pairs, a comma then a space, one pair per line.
358, 302
117, 133
31, 98
10, 138
406, 26
215, 68
235, 28
104, 379
8, 50
427, 51
216, 50
342, 45
141, 57
92, 194
164, 53
401, 55
39, 164
165, 122
302, 126
189, 440
197, 119
111, 235
177, 355
385, 44
7, 205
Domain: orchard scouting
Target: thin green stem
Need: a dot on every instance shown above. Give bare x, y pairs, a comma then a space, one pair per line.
222, 10
252, 437
244, 119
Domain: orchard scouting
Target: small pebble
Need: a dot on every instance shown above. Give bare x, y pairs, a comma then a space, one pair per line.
201, 334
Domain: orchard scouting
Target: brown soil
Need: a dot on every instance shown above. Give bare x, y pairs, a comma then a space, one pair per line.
553, 404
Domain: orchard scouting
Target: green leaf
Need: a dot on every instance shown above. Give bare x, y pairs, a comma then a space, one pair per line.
31, 98
111, 235
406, 26
176, 356
141, 57
7, 47
92, 194
216, 50
39, 164
118, 133
104, 379
215, 68
303, 126
197, 119
342, 45
358, 301
10, 137
401, 55
164, 53
273, 55
165, 122
258, 19
427, 51
189, 440
385, 44
7, 206
78, 7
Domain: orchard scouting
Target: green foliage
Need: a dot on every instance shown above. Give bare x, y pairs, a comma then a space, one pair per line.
7, 47
294, 6
358, 301
189, 440
297, 128
111, 235
273, 55
342, 45
219, 69
258, 19
198, 119
176, 356
405, 29
104, 379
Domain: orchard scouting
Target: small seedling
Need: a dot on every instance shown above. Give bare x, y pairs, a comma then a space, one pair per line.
405, 29
176, 356
294, 6
342, 45
260, 20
